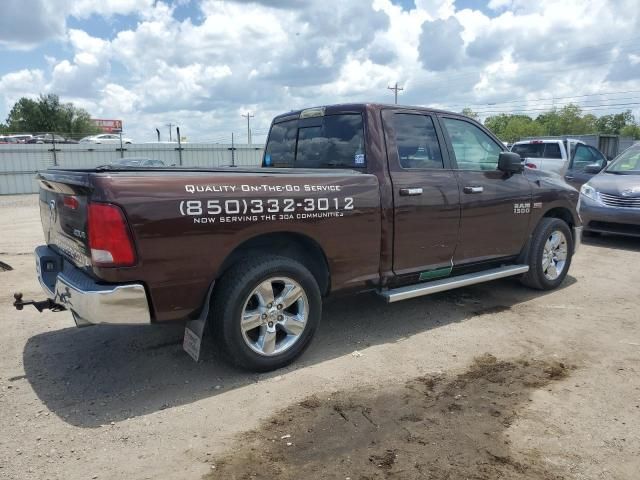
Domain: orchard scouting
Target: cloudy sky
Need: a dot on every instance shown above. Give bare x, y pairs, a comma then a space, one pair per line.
202, 64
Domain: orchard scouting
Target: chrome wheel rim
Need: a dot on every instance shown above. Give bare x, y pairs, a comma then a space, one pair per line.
554, 255
274, 316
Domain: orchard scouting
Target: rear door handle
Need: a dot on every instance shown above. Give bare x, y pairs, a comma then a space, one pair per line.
473, 189
568, 177
409, 192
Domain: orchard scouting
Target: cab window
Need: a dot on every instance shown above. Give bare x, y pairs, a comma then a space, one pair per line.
473, 148
333, 141
552, 150
416, 141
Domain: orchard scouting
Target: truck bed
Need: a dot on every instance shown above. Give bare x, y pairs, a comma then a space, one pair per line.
186, 221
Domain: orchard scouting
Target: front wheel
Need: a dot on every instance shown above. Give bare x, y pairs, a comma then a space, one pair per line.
550, 254
265, 312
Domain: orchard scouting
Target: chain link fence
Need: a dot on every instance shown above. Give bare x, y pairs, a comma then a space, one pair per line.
19, 163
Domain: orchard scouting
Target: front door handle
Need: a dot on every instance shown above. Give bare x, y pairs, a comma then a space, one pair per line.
473, 189
568, 177
409, 192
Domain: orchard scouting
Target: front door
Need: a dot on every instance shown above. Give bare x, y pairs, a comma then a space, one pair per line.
583, 155
495, 206
425, 195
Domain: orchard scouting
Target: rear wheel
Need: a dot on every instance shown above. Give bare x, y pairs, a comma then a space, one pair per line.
550, 254
266, 311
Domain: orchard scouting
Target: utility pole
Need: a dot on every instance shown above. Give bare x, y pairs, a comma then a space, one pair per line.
170, 125
396, 89
248, 116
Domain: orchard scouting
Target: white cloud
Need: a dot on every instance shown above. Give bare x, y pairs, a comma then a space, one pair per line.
84, 76
85, 8
18, 84
270, 56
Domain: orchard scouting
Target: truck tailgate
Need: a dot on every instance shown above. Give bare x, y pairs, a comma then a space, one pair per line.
63, 212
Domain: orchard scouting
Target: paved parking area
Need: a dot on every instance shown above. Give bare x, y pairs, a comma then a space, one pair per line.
511, 383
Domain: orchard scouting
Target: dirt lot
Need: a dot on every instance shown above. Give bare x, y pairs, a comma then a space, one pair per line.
488, 382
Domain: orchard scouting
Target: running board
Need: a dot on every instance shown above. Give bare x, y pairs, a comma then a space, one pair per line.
421, 289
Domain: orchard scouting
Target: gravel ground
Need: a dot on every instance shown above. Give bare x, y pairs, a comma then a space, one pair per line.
490, 381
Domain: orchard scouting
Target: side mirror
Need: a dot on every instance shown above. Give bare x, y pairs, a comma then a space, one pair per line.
510, 162
593, 168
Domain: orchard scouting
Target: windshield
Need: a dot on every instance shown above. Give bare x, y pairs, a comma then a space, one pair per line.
628, 162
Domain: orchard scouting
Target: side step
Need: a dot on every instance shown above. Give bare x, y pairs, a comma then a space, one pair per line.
421, 289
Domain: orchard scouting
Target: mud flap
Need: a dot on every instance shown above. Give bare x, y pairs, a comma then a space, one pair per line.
193, 333
194, 329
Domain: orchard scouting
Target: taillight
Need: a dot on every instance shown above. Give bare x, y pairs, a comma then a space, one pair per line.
71, 202
109, 239
530, 165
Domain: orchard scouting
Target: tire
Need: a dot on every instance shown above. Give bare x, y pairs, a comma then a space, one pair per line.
545, 259
243, 291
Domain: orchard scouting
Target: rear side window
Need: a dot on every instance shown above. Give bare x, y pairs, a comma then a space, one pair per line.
334, 141
281, 147
417, 141
529, 150
552, 150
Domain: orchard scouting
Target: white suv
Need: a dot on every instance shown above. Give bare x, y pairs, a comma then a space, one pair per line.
546, 154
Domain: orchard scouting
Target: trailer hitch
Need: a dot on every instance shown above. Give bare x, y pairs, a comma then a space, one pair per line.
47, 304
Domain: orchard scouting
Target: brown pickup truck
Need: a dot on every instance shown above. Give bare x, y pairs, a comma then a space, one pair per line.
404, 201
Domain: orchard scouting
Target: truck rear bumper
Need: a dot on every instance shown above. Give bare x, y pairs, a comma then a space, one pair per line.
88, 301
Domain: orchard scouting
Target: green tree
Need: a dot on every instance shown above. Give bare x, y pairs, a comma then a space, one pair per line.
470, 113
567, 120
570, 120
549, 122
520, 126
632, 131
47, 114
614, 123
511, 128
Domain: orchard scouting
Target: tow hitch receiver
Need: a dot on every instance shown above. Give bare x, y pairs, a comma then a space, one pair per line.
47, 304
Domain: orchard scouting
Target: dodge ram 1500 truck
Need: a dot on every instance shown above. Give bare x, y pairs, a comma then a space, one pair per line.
404, 201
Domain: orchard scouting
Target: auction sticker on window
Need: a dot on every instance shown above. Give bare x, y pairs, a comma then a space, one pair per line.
294, 202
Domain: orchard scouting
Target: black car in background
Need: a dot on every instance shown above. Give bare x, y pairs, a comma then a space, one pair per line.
610, 201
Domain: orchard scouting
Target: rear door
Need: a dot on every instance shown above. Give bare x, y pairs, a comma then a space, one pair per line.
425, 195
495, 206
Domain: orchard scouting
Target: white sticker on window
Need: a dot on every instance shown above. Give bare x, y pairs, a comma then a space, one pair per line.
359, 158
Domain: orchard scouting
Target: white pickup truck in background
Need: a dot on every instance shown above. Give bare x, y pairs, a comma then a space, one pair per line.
549, 154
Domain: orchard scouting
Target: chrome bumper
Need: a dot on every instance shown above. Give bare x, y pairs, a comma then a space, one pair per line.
88, 301
577, 238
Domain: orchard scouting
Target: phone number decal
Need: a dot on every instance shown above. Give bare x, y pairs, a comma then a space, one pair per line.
257, 209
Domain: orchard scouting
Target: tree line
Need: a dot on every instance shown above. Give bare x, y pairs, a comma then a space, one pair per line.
48, 114
568, 120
